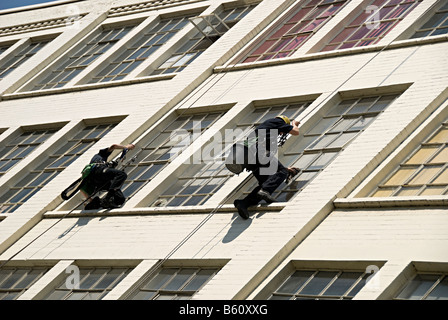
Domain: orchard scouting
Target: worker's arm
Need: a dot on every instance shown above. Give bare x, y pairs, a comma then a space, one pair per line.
295, 128
121, 147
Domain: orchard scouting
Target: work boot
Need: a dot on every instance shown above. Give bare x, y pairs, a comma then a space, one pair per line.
264, 195
109, 201
242, 209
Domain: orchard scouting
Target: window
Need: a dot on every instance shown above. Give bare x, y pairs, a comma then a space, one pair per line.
426, 286
82, 58
325, 140
20, 147
378, 18
437, 25
174, 284
201, 180
215, 27
294, 30
15, 281
20, 58
321, 285
3, 49
94, 284
165, 146
140, 50
424, 172
14, 197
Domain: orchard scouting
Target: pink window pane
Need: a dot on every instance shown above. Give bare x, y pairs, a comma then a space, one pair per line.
296, 43
383, 27
299, 15
281, 55
363, 17
391, 2
267, 57
401, 10
380, 3
361, 33
384, 12
250, 59
329, 48
343, 35
317, 12
313, 25
280, 45
264, 47
348, 45
313, 2
330, 10
282, 31
298, 28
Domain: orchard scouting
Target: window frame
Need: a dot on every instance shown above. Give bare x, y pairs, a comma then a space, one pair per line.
368, 40
197, 172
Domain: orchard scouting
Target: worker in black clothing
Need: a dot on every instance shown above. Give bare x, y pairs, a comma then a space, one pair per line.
101, 175
267, 169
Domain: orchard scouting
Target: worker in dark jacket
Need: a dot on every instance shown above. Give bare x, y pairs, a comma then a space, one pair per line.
267, 169
101, 175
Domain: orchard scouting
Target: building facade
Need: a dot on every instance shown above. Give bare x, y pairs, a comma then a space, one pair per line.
365, 219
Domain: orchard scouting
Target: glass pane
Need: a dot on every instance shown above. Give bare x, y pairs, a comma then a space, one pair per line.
323, 125
29, 278
179, 280
295, 282
56, 295
323, 160
440, 137
109, 278
442, 157
422, 155
442, 178
425, 175
342, 140
93, 277
400, 176
342, 284
200, 278
417, 288
160, 279
440, 292
318, 283
143, 295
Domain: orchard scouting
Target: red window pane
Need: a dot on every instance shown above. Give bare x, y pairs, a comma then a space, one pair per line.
250, 59
299, 15
362, 18
282, 31
400, 11
279, 46
329, 48
329, 11
361, 33
383, 27
384, 12
295, 43
298, 28
348, 45
343, 35
313, 25
264, 47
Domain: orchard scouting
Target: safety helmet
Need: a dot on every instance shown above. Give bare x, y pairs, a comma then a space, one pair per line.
284, 118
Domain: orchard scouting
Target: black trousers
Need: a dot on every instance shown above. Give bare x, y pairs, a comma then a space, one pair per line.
269, 176
108, 179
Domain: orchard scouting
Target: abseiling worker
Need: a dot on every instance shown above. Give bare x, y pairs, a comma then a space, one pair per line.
257, 154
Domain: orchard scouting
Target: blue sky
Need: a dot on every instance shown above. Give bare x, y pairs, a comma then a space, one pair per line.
7, 4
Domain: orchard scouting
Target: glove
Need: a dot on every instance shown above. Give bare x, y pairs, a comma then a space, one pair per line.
112, 164
292, 172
